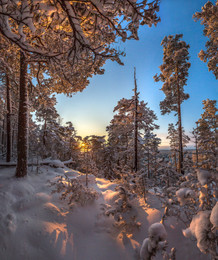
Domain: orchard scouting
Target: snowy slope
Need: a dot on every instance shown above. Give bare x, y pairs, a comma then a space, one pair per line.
35, 224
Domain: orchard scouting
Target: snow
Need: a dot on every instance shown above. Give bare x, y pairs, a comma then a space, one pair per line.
203, 176
36, 224
184, 194
54, 163
157, 232
156, 241
144, 252
199, 228
214, 217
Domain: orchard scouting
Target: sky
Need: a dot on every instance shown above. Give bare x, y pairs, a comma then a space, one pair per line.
92, 110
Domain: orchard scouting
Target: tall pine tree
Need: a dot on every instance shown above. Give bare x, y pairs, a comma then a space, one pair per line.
174, 73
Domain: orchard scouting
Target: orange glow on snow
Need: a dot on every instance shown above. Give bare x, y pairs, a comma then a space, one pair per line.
59, 235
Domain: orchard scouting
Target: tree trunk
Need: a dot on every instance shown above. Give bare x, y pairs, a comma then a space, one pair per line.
3, 136
13, 141
180, 143
149, 165
44, 133
175, 160
22, 142
136, 126
179, 126
8, 157
196, 149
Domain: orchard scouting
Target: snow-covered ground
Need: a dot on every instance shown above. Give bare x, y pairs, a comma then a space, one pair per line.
36, 224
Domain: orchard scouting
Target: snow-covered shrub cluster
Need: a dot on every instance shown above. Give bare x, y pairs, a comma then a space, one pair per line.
73, 190
122, 210
204, 224
201, 229
204, 176
184, 195
214, 218
155, 242
194, 204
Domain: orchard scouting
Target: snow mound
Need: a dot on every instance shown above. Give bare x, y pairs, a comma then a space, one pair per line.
157, 232
203, 176
54, 163
145, 249
184, 194
214, 217
156, 241
199, 228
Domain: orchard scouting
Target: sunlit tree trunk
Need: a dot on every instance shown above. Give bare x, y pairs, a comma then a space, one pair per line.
136, 126
179, 128
22, 142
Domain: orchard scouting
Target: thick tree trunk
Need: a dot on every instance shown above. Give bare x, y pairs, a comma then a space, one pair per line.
8, 157
22, 142
136, 126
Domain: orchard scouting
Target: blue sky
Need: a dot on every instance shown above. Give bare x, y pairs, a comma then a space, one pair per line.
91, 110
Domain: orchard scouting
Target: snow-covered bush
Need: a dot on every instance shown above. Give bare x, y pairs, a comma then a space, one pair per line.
123, 211
204, 176
73, 191
200, 228
184, 195
214, 218
194, 205
204, 222
156, 241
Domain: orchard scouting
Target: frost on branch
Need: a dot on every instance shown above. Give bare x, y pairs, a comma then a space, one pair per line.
73, 191
156, 241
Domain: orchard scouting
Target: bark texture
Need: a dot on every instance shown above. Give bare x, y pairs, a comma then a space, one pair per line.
8, 157
22, 142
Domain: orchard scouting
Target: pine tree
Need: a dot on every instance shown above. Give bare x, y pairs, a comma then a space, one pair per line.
174, 141
208, 17
174, 72
151, 142
195, 135
207, 134
121, 133
172, 136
